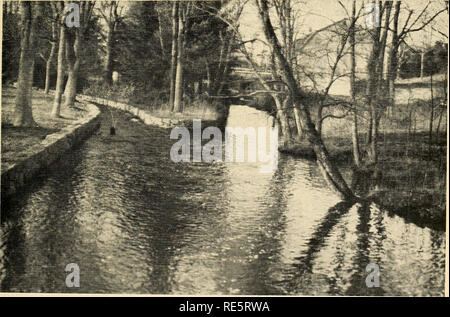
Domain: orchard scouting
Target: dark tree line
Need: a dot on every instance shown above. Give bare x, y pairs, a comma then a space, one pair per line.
162, 51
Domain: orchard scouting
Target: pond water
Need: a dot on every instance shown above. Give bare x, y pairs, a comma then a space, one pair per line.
135, 222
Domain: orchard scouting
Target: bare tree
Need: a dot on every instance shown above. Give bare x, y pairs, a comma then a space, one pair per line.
30, 17
183, 14
299, 99
53, 39
375, 67
286, 21
413, 23
60, 66
74, 49
352, 35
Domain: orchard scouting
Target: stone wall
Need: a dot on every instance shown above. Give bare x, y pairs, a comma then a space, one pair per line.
145, 116
52, 147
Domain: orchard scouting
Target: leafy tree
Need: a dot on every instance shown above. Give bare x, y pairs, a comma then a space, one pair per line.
30, 20
75, 42
139, 58
111, 14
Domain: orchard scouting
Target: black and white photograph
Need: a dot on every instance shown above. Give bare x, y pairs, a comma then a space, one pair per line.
224, 148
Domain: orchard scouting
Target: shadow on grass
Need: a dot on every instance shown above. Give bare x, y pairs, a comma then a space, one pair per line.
9, 131
16, 141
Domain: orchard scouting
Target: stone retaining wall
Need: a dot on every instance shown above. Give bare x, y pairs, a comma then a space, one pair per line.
145, 116
50, 149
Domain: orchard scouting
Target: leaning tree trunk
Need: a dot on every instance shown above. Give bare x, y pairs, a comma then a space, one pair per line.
329, 170
174, 53
23, 115
59, 73
178, 98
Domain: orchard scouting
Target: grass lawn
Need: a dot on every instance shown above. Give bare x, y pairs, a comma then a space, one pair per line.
17, 142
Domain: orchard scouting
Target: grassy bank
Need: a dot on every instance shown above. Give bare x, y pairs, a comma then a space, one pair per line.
193, 108
17, 143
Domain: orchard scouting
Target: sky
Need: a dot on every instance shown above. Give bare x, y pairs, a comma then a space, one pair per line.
316, 14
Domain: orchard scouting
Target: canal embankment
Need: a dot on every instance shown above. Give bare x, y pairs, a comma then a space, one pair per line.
143, 115
26, 151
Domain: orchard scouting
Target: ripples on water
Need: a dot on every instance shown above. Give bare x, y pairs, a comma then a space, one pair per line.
135, 222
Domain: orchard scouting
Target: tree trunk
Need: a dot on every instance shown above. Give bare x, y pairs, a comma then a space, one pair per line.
408, 135
111, 17
48, 64
108, 68
224, 70
439, 125
430, 132
319, 120
330, 172
73, 65
355, 141
380, 70
208, 78
282, 117
377, 109
59, 73
298, 123
375, 84
174, 54
422, 64
393, 57
160, 33
71, 87
23, 115
373, 146
281, 107
178, 99
48, 67
55, 14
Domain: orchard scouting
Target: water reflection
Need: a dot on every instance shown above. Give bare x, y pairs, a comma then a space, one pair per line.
137, 223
